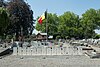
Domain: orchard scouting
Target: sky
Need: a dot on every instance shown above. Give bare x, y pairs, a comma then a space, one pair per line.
60, 6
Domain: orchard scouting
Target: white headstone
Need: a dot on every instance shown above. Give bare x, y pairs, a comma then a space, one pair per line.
14, 50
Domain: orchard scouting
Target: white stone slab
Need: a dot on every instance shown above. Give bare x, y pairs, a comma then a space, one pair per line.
63, 51
49, 51
28, 51
53, 50
75, 51
69, 50
66, 51
19, 51
80, 51
24, 51
15, 51
39, 51
58, 50
44, 50
34, 52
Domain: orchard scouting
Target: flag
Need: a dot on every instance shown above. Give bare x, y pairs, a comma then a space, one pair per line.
42, 17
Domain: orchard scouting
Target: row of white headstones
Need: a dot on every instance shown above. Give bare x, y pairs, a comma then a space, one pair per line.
47, 51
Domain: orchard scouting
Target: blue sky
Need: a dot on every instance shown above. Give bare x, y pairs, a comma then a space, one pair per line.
61, 6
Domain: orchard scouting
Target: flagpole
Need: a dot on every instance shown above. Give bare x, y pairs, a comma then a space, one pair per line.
46, 15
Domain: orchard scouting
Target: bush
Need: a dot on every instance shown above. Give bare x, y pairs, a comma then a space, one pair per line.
97, 36
58, 37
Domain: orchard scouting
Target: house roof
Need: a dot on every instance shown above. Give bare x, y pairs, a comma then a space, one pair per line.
42, 33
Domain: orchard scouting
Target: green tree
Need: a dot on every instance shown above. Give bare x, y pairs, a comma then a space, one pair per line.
68, 24
89, 22
97, 36
71, 25
98, 19
4, 21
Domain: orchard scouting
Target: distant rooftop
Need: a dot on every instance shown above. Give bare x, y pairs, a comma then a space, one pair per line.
42, 33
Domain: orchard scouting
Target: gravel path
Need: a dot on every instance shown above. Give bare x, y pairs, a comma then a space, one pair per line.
49, 61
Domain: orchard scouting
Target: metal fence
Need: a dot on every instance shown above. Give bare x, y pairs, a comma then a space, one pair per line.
47, 51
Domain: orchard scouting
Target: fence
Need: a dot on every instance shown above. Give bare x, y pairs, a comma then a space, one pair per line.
47, 51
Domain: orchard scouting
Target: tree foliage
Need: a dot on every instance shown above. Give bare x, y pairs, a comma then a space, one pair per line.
97, 36
89, 22
4, 20
2, 4
21, 18
70, 25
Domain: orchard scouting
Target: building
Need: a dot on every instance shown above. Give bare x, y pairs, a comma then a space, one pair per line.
41, 36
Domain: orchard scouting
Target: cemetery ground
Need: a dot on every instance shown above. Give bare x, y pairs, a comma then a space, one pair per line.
49, 61
68, 60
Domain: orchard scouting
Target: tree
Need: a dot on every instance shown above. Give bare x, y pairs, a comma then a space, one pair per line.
89, 22
98, 19
52, 23
4, 21
97, 36
2, 4
71, 25
68, 24
21, 18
